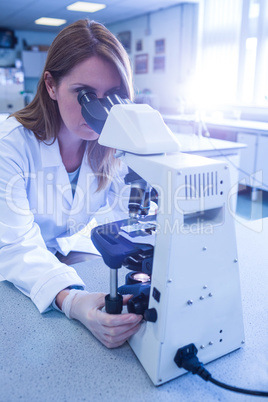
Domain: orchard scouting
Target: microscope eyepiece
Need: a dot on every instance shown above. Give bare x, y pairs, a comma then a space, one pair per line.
95, 110
89, 96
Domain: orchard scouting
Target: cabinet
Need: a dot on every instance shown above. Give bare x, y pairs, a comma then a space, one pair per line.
253, 161
33, 63
261, 162
248, 158
253, 164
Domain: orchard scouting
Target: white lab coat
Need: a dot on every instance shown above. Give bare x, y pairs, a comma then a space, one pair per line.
39, 216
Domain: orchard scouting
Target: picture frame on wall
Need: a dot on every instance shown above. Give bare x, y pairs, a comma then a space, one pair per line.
139, 45
125, 39
141, 63
160, 46
159, 64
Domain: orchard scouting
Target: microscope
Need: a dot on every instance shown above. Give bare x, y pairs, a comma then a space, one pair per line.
184, 274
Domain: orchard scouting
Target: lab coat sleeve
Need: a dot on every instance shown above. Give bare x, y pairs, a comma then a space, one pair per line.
24, 258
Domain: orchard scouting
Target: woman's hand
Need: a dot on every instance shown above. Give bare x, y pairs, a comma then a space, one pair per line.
110, 329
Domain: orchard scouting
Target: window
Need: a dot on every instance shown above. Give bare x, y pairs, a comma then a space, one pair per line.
232, 67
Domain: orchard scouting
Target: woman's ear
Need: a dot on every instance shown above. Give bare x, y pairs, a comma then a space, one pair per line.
50, 85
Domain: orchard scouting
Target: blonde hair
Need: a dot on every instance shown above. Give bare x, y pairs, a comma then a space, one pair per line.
74, 44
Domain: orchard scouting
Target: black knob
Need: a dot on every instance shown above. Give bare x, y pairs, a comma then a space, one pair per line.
114, 305
150, 315
138, 304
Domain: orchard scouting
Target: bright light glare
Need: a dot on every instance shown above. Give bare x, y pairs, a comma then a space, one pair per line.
249, 69
56, 22
85, 7
254, 10
215, 80
251, 43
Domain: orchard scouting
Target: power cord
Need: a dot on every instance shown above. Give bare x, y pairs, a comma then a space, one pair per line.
186, 357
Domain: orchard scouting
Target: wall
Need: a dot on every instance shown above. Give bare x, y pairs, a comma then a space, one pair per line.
178, 26
33, 38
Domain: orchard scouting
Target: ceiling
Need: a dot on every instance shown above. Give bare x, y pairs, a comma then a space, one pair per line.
21, 14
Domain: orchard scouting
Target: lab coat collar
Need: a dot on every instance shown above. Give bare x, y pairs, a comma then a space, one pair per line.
51, 158
50, 154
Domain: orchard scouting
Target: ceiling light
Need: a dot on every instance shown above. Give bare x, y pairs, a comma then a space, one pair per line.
56, 22
85, 7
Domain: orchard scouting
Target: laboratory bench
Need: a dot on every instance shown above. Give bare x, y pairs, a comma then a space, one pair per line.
50, 358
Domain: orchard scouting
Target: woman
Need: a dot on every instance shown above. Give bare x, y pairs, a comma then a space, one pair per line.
55, 177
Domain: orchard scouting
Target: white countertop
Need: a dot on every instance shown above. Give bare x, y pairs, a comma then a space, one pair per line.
50, 358
237, 124
192, 143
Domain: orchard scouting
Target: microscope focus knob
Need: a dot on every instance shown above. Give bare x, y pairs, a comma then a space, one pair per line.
114, 305
150, 315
